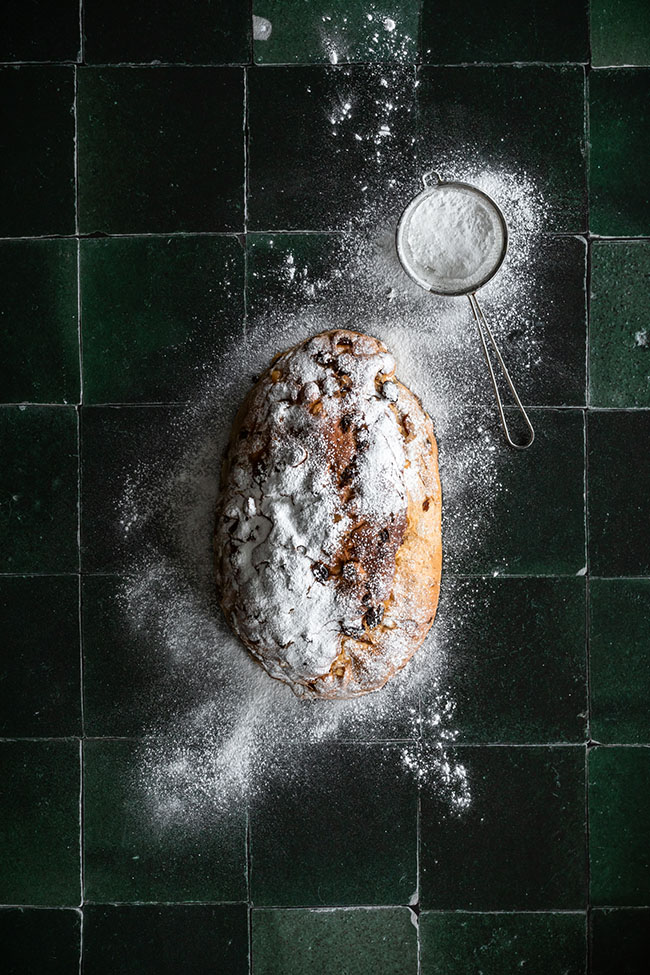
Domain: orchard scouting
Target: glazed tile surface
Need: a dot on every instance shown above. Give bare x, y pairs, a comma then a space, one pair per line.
186, 191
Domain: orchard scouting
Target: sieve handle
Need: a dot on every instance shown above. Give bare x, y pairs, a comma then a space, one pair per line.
483, 329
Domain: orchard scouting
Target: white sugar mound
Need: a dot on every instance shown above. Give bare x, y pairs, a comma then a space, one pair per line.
455, 239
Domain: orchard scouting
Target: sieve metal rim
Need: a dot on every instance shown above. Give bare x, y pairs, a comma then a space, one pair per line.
429, 189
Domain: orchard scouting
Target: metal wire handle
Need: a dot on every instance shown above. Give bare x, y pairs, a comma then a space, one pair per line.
483, 327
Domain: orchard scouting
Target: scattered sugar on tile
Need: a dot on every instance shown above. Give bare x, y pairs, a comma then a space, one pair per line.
224, 747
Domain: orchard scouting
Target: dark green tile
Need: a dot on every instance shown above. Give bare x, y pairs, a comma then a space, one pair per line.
619, 637
531, 521
166, 940
542, 332
33, 31
620, 32
501, 944
40, 942
620, 942
39, 343
294, 271
39, 840
37, 155
203, 32
526, 121
357, 942
116, 523
130, 687
543, 336
520, 842
329, 147
304, 31
504, 30
619, 166
161, 149
132, 855
512, 661
348, 828
619, 339
38, 489
40, 691
619, 483
155, 311
619, 826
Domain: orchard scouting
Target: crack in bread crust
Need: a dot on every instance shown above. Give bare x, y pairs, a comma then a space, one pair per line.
328, 541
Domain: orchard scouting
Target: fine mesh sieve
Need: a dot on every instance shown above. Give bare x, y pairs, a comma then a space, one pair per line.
456, 256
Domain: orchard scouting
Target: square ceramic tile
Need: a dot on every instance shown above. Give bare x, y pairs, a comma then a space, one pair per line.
619, 481
516, 841
619, 636
37, 189
348, 828
513, 661
308, 942
40, 942
619, 338
166, 940
134, 852
296, 270
203, 32
116, 522
542, 331
161, 149
522, 518
39, 340
620, 941
40, 692
525, 123
620, 32
504, 30
304, 31
38, 485
619, 826
330, 148
500, 944
39, 844
131, 685
619, 170
33, 31
155, 311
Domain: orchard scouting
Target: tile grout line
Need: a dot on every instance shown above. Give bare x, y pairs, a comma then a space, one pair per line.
249, 902
418, 846
79, 439
299, 231
322, 65
587, 124
455, 746
82, 39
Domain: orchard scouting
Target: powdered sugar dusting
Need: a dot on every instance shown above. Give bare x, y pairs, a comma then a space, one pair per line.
223, 746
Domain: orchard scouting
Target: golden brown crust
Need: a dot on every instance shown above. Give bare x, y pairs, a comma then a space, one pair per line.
385, 568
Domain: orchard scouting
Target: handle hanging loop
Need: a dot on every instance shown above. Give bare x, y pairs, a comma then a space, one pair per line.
483, 330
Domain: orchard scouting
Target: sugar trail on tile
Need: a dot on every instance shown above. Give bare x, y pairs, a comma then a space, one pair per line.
207, 757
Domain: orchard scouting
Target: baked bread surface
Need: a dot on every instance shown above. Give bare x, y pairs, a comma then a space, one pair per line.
328, 540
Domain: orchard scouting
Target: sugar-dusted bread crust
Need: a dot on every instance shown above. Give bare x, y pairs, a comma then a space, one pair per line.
328, 543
